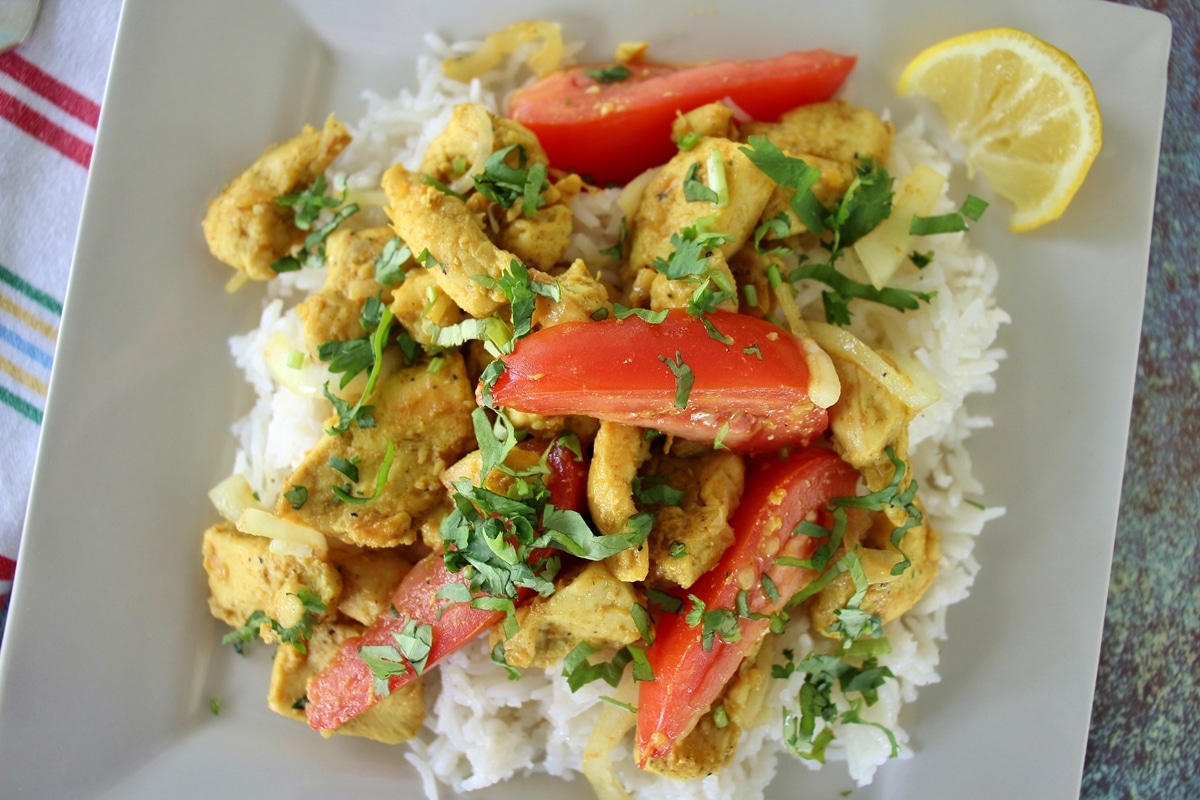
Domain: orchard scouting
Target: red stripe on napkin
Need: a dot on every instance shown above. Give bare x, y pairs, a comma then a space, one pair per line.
77, 105
44, 130
8, 568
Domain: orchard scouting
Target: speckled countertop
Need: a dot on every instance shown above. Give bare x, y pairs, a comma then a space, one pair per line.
1145, 732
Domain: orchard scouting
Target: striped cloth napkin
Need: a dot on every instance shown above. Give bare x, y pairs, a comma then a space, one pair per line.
50, 91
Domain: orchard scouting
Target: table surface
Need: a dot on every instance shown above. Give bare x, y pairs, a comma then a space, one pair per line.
1144, 740
1145, 732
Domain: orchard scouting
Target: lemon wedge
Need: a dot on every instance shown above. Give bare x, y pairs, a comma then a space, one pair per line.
1024, 110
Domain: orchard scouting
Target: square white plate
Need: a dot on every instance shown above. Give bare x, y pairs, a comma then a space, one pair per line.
110, 655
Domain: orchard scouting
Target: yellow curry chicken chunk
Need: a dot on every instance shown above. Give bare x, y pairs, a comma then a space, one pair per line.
426, 416
244, 227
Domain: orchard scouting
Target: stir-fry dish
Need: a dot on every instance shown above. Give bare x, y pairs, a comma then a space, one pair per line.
617, 390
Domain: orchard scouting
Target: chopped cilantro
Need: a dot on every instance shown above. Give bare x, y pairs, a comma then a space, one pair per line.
391, 260
296, 635
505, 184
688, 141
955, 221
921, 260
214, 705
722, 622
791, 173
499, 657
643, 622
613, 74
380, 478
579, 671
310, 202
677, 550
413, 643
684, 378
644, 314
664, 601
654, 490
695, 190
347, 468
617, 251
618, 703
297, 496
429, 180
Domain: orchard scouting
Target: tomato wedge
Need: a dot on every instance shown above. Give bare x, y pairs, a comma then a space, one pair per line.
752, 393
345, 688
613, 131
780, 493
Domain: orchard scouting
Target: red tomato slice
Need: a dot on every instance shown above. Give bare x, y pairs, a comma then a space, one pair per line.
780, 493
753, 392
614, 131
345, 688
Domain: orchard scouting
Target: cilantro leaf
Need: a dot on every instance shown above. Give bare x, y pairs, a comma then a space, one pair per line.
684, 378
694, 189
391, 260
791, 173
505, 184
613, 74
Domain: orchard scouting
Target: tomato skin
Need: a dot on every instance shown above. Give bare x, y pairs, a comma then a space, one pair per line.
780, 493
614, 131
612, 370
345, 688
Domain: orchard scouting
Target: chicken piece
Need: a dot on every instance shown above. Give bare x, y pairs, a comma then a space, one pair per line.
471, 465
369, 577
866, 420
713, 119
427, 417
332, 314
472, 134
429, 220
749, 268
244, 226
618, 452
664, 210
393, 720
538, 241
581, 294
888, 596
830, 136
591, 606
665, 293
834, 130
688, 539
244, 576
835, 179
421, 306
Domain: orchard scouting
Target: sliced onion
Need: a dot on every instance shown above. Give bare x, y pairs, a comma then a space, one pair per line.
631, 194
903, 376
611, 727
824, 386
475, 118
542, 61
259, 522
232, 496
309, 379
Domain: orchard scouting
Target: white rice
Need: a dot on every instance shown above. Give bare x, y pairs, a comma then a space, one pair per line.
483, 728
